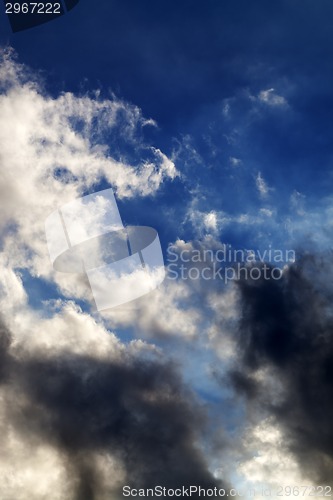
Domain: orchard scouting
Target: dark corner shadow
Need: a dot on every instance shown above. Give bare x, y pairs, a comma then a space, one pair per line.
26, 15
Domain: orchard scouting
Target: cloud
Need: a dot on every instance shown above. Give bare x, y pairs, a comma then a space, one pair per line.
202, 221
267, 462
235, 162
210, 221
297, 203
81, 412
70, 132
286, 331
261, 222
270, 98
262, 186
168, 312
90, 414
53, 150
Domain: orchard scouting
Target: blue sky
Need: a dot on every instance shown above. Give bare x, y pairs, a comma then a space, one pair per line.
212, 123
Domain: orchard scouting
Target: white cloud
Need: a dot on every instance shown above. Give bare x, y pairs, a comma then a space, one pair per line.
270, 464
186, 152
297, 203
262, 186
235, 162
270, 98
266, 212
204, 222
210, 221
221, 333
166, 312
52, 149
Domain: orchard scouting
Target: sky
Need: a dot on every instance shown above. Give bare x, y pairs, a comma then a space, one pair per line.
211, 122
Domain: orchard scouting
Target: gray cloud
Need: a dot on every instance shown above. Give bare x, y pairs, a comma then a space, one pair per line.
137, 410
5, 340
287, 331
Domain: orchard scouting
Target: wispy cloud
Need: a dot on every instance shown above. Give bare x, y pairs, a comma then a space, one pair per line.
271, 98
262, 186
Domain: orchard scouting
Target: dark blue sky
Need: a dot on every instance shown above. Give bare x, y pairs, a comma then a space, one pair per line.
175, 59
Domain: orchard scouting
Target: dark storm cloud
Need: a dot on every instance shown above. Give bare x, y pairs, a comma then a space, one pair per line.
287, 327
138, 410
5, 340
